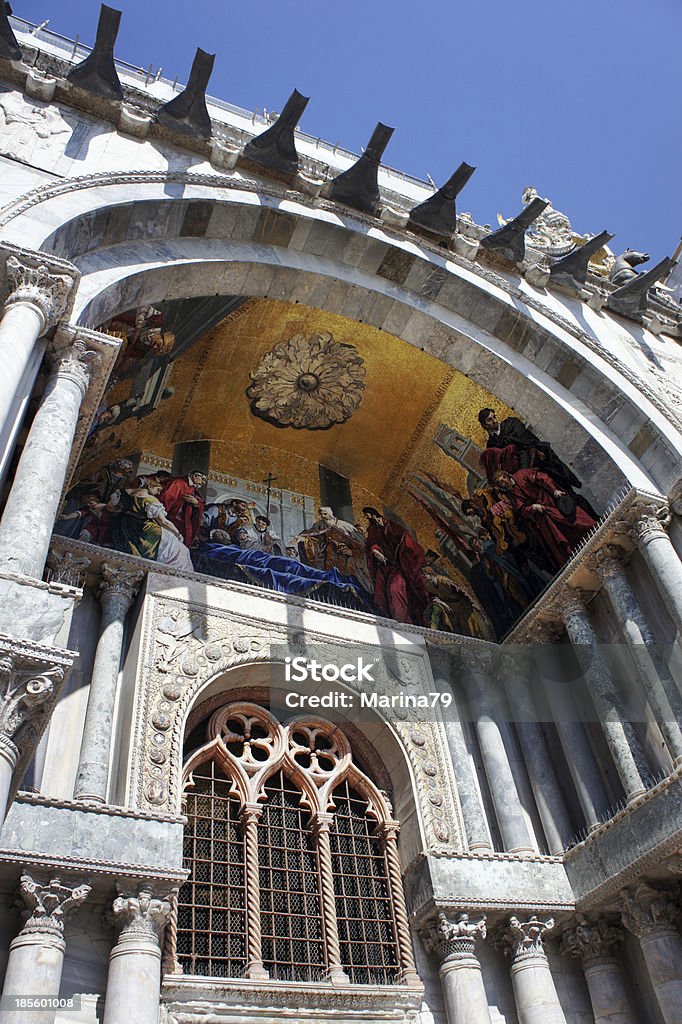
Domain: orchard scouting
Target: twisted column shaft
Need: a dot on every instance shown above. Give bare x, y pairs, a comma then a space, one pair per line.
254, 960
408, 970
335, 971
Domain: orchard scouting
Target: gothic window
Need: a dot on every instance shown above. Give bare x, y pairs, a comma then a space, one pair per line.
292, 858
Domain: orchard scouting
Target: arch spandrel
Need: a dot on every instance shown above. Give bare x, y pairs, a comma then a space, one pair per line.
174, 677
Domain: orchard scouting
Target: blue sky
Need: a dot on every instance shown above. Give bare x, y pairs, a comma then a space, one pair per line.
580, 99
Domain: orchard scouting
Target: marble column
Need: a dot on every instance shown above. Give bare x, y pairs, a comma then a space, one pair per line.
515, 668
134, 979
620, 736
445, 666
36, 303
453, 939
29, 515
481, 694
651, 915
534, 992
592, 943
27, 691
36, 956
580, 759
648, 528
116, 594
659, 685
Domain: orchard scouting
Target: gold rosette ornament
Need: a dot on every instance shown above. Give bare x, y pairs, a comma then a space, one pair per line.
308, 383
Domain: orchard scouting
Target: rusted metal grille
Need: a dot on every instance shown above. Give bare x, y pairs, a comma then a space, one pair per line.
212, 904
291, 916
369, 952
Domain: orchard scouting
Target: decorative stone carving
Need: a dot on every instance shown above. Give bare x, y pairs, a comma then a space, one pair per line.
647, 520
140, 916
25, 689
646, 910
120, 582
34, 133
47, 291
454, 939
48, 903
74, 362
522, 940
308, 383
551, 232
590, 940
67, 568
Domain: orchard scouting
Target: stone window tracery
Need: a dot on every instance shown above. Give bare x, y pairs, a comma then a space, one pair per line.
293, 859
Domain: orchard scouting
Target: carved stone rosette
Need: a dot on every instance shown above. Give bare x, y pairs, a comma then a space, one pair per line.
40, 287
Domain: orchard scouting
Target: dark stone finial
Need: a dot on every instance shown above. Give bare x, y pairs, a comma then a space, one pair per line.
632, 299
187, 112
97, 73
275, 148
437, 215
510, 240
9, 47
359, 185
571, 270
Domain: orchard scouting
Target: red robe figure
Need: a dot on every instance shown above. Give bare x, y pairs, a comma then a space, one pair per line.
536, 501
181, 497
395, 563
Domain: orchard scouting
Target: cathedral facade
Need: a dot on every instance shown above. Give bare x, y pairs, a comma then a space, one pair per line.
341, 593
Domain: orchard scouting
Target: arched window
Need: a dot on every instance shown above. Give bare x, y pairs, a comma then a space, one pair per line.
292, 858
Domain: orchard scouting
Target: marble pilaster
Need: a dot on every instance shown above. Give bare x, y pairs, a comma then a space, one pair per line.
620, 736
660, 687
36, 302
134, 978
549, 799
651, 915
36, 955
479, 687
453, 939
534, 991
117, 592
29, 515
592, 943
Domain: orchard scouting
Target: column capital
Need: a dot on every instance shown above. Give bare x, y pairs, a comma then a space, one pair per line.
119, 582
141, 916
572, 601
607, 561
40, 287
251, 813
452, 936
67, 568
522, 940
590, 940
647, 520
545, 631
478, 659
75, 362
646, 910
24, 689
47, 904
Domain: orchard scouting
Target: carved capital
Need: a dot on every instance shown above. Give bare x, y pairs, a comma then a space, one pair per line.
590, 940
452, 937
74, 362
646, 910
24, 691
607, 561
120, 584
39, 287
647, 521
48, 903
140, 917
522, 940
67, 568
478, 660
545, 631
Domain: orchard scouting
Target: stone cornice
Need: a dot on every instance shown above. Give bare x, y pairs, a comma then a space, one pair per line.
84, 865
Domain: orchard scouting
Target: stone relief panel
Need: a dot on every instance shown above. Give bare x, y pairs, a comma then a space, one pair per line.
32, 132
186, 646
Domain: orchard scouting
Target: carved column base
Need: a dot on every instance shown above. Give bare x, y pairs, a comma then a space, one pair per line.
337, 976
257, 971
